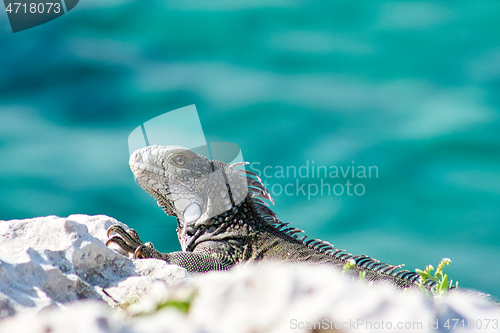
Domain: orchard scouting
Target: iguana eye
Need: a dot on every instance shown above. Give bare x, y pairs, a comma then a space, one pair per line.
179, 159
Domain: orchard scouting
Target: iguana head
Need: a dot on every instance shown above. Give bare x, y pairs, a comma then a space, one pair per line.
188, 185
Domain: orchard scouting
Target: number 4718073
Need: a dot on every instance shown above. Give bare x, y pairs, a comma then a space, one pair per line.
34, 7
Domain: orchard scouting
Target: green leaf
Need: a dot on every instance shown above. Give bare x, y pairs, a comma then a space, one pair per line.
443, 286
439, 270
428, 269
348, 265
181, 305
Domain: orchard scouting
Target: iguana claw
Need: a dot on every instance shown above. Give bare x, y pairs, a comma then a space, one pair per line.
129, 241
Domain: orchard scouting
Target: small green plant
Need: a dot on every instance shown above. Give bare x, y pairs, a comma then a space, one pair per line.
181, 305
348, 265
362, 274
442, 283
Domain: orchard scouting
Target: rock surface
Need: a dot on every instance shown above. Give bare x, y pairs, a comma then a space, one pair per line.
56, 275
48, 261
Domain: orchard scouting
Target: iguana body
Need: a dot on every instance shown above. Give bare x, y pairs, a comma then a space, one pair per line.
223, 221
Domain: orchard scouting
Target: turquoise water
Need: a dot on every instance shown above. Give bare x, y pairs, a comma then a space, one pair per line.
411, 89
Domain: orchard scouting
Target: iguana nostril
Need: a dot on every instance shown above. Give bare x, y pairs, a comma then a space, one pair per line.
135, 157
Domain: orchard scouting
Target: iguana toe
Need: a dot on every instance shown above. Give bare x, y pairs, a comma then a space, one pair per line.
146, 250
127, 240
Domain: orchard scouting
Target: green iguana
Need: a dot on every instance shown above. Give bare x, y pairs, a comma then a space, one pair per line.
223, 220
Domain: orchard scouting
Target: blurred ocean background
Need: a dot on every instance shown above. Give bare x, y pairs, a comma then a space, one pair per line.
410, 87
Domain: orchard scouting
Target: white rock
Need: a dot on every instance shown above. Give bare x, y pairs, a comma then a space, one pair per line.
62, 266
84, 316
48, 261
95, 317
275, 297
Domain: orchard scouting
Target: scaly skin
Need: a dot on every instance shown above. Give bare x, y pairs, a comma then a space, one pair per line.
223, 221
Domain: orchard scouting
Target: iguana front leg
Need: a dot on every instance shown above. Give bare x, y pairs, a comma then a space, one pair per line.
130, 242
